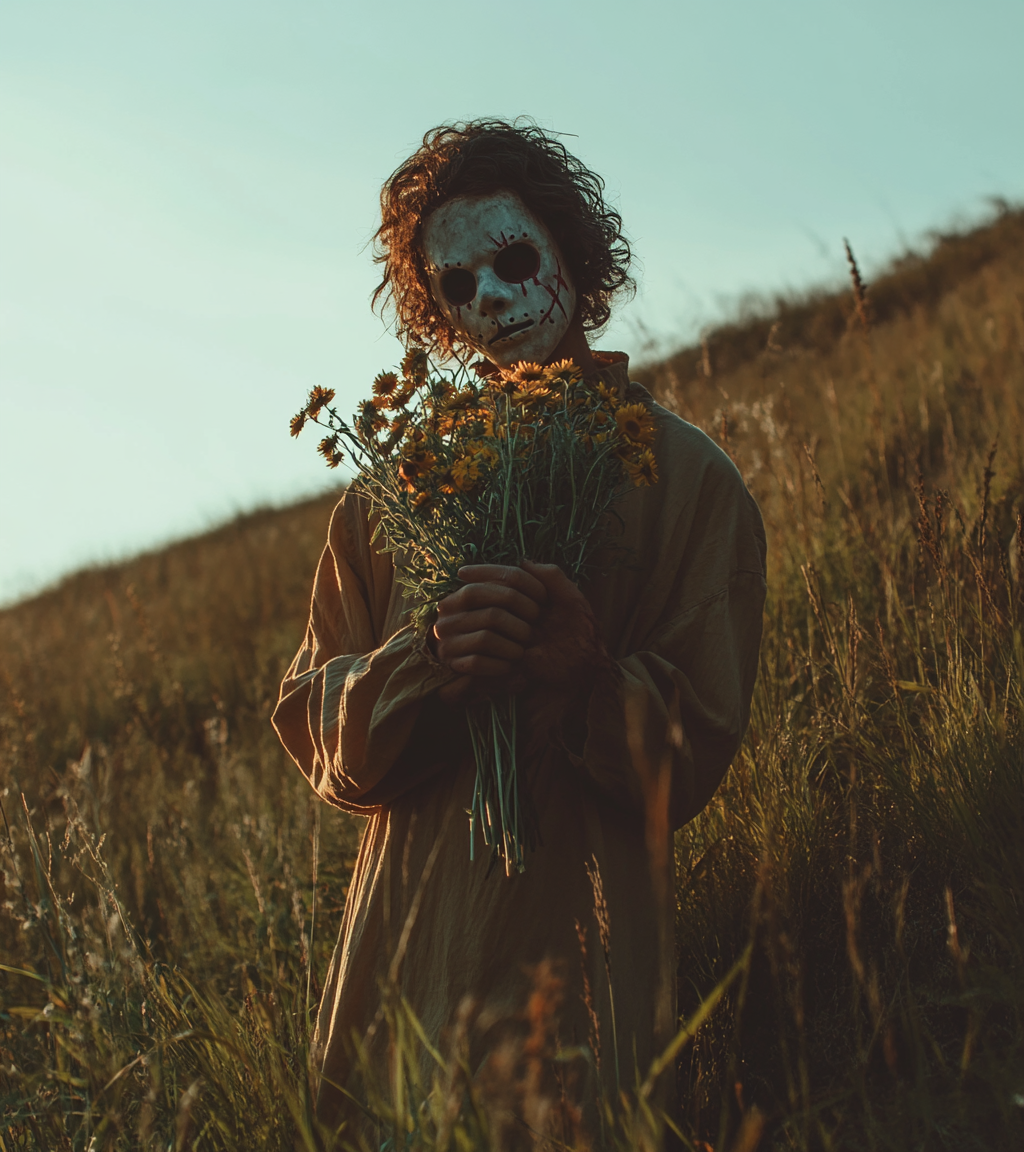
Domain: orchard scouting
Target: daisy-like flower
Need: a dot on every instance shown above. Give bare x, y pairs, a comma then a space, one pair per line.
327, 446
370, 418
465, 473
385, 383
414, 365
483, 452
502, 384
318, 397
298, 422
422, 501
643, 471
525, 372
397, 428
413, 468
444, 425
533, 392
563, 374
467, 425
400, 399
636, 423
462, 400
609, 397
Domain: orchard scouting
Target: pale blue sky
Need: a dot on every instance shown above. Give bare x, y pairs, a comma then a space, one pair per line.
187, 190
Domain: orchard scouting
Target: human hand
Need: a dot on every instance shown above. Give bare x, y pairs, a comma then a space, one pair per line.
484, 627
566, 647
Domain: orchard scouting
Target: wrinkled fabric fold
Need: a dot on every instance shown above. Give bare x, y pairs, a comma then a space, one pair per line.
709, 703
347, 716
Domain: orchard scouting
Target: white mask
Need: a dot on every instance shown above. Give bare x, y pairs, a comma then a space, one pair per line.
499, 277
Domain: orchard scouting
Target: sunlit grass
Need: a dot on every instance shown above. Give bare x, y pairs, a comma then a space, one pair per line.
865, 858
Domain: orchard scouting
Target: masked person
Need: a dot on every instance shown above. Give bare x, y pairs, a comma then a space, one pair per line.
496, 242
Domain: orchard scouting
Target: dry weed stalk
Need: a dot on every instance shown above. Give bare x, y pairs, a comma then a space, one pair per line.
860, 289
604, 931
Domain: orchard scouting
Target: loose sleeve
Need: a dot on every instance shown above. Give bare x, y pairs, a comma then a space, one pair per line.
676, 709
349, 711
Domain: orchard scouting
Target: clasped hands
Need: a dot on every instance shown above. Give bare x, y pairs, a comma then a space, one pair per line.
510, 626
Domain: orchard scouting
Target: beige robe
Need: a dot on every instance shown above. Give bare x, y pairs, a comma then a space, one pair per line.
681, 619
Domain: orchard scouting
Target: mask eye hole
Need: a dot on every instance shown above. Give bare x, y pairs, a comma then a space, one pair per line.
517, 262
458, 286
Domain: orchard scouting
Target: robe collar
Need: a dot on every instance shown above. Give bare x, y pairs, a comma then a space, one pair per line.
612, 369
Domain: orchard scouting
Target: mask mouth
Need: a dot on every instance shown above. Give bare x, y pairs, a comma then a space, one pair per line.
511, 330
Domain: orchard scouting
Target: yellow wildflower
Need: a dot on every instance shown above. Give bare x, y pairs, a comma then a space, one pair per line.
318, 397
414, 365
465, 398
370, 419
563, 374
298, 422
414, 468
397, 427
465, 473
387, 394
609, 397
328, 448
415, 439
636, 423
385, 383
483, 452
525, 372
533, 393
643, 471
457, 407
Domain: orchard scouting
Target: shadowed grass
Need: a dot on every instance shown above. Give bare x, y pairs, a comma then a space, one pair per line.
865, 856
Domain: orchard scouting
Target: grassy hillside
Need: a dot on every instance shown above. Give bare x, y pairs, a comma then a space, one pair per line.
868, 845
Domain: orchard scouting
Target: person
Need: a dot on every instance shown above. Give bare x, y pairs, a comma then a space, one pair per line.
495, 241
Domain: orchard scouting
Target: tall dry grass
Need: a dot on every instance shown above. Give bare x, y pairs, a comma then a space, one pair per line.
874, 820
162, 932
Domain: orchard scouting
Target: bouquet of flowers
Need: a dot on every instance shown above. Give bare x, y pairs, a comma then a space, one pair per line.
467, 470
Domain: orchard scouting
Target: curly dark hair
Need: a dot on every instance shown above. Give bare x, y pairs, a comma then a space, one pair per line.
475, 159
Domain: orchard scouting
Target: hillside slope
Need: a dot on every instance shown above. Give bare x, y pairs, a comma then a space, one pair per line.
866, 847
220, 615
